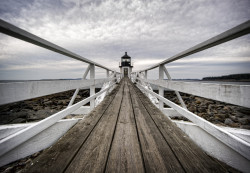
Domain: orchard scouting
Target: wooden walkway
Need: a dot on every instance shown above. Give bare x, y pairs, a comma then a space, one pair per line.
125, 133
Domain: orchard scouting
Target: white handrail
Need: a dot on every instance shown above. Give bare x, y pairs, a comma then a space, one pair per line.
228, 35
18, 138
18, 91
227, 138
228, 93
21, 34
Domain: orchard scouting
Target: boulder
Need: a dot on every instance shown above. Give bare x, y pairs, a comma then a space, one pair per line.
228, 121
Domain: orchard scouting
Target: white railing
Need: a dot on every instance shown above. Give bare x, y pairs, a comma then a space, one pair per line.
18, 91
233, 94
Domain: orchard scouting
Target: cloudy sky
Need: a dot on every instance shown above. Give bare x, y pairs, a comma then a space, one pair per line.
102, 30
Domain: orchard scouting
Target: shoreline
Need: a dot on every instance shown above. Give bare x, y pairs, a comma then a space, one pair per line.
37, 109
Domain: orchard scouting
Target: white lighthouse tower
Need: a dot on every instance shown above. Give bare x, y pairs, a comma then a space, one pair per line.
125, 65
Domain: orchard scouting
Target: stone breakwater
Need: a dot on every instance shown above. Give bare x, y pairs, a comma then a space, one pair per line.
214, 111
40, 108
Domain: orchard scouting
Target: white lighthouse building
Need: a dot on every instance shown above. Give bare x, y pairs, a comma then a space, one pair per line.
126, 65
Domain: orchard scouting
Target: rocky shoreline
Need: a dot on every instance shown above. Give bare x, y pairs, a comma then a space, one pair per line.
39, 108
214, 111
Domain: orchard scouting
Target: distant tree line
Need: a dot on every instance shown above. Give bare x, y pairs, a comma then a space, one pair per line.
235, 77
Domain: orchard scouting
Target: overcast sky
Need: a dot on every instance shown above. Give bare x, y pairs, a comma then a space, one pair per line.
102, 30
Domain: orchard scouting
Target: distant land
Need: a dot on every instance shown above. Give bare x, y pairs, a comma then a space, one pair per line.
245, 77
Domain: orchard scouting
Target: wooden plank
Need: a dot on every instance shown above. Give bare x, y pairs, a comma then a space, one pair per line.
93, 154
227, 138
125, 154
192, 158
57, 158
157, 155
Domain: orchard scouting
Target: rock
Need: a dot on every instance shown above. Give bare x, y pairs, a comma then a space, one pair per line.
235, 125
243, 121
228, 121
207, 102
22, 114
242, 110
18, 120
222, 116
78, 97
198, 102
48, 102
192, 109
202, 110
41, 114
239, 114
234, 118
227, 108
245, 127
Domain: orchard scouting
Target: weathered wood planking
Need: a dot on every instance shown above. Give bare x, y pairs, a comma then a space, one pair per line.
158, 156
59, 156
125, 154
125, 133
94, 152
192, 158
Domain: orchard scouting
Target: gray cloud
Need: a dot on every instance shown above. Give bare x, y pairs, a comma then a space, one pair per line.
150, 31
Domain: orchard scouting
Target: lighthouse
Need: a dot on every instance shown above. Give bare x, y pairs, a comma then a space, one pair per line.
125, 65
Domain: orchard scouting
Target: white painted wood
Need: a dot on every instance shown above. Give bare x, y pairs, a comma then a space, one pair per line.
107, 73
161, 90
152, 98
214, 147
82, 110
39, 142
229, 139
7, 130
77, 90
228, 93
241, 133
228, 35
170, 112
21, 34
17, 91
92, 87
100, 98
18, 138
176, 92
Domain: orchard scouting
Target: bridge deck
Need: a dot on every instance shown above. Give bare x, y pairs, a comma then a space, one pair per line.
125, 133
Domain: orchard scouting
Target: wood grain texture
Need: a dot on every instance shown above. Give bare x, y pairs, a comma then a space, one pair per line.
125, 153
125, 133
94, 152
192, 158
58, 157
158, 156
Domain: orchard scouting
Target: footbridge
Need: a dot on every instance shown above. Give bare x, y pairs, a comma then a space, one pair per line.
126, 127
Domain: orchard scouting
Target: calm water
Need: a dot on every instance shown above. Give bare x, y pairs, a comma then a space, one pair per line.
219, 82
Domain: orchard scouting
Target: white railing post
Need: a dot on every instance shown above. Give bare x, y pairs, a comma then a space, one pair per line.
176, 92
77, 90
146, 74
92, 88
161, 89
107, 73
